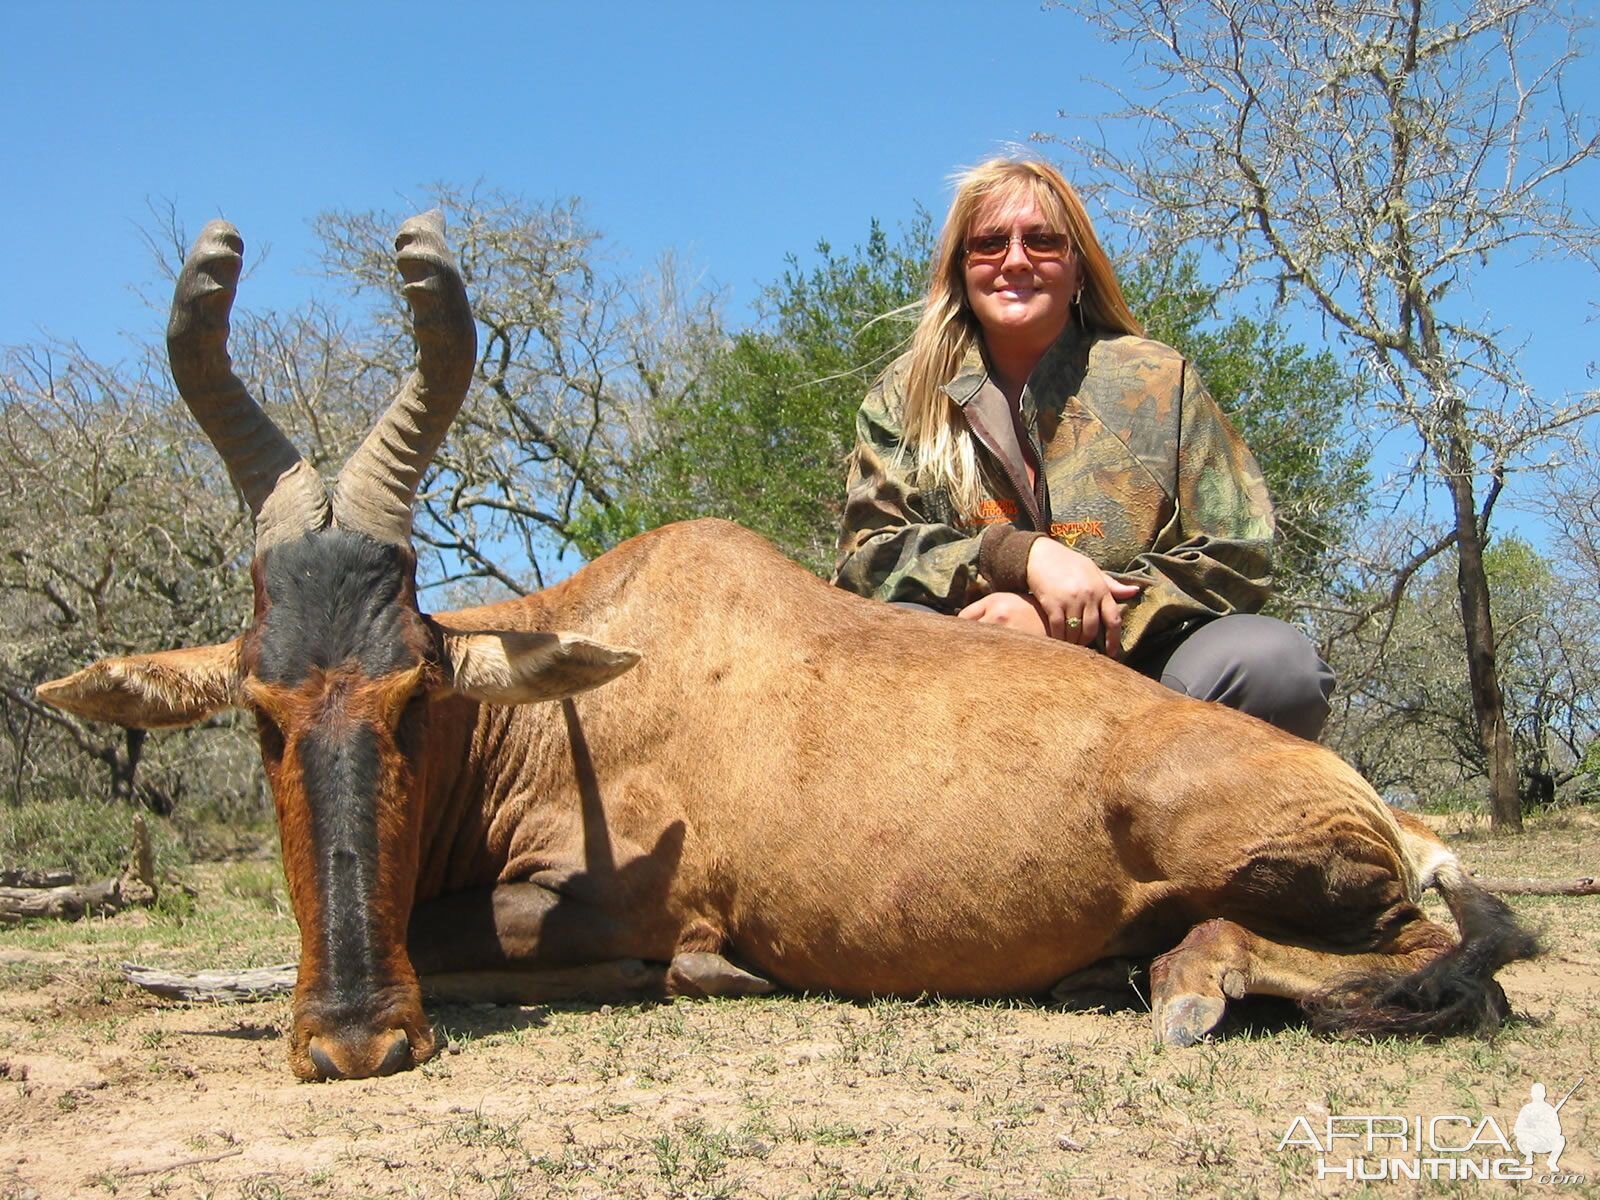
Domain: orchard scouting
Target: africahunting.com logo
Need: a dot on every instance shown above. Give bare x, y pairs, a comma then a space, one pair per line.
1378, 1146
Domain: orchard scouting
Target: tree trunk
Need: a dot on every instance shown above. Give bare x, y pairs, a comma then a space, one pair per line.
125, 767
1483, 675
122, 757
21, 735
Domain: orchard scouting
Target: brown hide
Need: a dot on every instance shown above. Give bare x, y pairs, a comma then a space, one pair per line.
853, 797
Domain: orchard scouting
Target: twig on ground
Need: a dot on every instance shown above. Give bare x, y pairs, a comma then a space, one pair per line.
182, 1163
1584, 885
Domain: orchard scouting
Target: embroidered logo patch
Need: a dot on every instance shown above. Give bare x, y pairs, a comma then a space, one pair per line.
992, 512
1070, 531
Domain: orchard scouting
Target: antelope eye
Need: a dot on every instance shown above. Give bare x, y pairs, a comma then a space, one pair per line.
272, 740
404, 695
259, 701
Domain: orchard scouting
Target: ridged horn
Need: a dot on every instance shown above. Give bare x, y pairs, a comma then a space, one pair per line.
378, 485
285, 495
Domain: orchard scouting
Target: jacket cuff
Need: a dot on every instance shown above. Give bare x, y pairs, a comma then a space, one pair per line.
1003, 556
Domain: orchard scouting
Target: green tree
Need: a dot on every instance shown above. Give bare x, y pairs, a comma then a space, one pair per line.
763, 439
764, 436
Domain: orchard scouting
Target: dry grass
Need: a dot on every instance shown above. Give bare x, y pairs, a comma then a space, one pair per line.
101, 1088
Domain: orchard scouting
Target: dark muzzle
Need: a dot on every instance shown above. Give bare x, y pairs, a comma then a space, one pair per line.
360, 1057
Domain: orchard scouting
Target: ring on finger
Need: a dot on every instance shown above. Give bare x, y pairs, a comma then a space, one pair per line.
1074, 622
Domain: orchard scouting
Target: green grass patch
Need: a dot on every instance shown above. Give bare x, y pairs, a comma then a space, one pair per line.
87, 838
209, 915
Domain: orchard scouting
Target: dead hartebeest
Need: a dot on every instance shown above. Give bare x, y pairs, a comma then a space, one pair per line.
792, 786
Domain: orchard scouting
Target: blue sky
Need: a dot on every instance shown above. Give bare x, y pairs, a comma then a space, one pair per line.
732, 134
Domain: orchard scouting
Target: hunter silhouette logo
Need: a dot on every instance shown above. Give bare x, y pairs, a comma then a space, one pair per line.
1538, 1127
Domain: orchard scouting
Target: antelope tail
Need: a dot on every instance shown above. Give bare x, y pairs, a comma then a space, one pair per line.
1456, 992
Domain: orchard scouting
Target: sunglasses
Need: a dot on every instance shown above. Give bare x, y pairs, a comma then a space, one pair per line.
1040, 244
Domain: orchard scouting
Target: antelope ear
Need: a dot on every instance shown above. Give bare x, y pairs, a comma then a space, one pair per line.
513, 667
151, 691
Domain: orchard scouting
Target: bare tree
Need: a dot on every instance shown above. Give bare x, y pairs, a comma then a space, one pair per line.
117, 533
575, 355
1410, 727
121, 530
1571, 502
1369, 160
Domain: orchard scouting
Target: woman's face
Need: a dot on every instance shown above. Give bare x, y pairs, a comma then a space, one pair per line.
1024, 297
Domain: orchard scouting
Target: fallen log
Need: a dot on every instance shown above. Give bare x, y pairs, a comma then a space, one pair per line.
1584, 885
254, 984
184, 1164
72, 901
26, 877
69, 903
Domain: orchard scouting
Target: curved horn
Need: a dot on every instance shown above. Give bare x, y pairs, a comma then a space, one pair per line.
285, 495
375, 491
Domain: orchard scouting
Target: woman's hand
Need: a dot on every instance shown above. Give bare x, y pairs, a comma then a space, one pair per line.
1009, 609
1077, 600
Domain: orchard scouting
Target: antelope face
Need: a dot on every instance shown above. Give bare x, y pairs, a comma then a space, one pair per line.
337, 670
338, 665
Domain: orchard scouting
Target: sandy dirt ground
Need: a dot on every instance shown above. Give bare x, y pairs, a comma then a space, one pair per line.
108, 1091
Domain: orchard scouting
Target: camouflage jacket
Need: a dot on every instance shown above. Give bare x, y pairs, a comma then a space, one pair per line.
1141, 472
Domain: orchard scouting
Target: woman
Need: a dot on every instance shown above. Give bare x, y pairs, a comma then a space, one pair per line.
1034, 461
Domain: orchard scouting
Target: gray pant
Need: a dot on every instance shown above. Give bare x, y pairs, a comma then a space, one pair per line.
1257, 664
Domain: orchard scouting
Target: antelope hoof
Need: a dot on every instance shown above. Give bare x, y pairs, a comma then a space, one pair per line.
1186, 1018
1109, 975
701, 974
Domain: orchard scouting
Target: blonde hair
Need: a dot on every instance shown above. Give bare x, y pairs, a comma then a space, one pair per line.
947, 329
